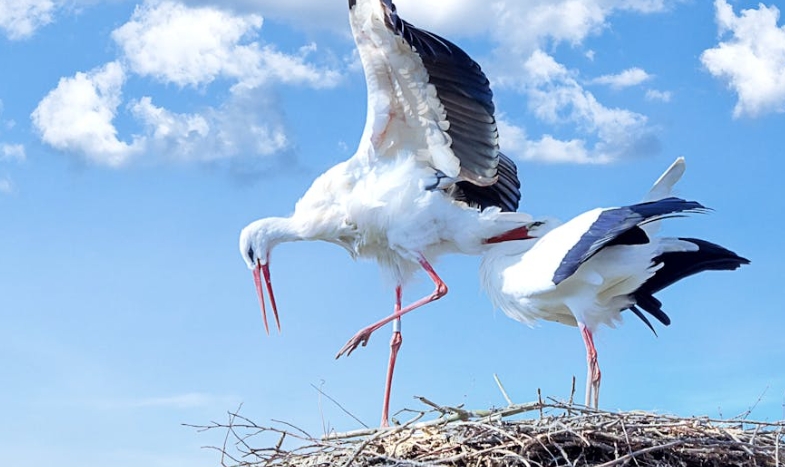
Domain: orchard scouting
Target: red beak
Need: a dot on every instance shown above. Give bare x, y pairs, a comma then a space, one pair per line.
259, 270
520, 233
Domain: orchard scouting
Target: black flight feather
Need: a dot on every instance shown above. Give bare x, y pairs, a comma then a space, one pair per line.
615, 222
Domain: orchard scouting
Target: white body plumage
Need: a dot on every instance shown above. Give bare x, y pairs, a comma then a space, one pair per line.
522, 286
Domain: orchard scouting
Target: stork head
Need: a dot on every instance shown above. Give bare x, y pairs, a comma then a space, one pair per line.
257, 239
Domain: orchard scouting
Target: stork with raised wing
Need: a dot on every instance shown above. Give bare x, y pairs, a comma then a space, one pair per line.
427, 177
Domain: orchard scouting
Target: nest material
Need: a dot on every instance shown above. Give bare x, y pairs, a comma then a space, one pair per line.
556, 434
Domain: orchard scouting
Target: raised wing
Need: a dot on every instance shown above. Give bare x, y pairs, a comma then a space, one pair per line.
427, 91
663, 187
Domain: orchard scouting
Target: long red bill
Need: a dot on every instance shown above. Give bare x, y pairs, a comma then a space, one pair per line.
266, 273
257, 279
520, 233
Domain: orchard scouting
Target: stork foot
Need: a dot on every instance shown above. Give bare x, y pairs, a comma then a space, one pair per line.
361, 338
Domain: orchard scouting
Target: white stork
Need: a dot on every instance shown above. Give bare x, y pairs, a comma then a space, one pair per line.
427, 177
587, 271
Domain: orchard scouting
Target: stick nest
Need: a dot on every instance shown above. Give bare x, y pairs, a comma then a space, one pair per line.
543, 434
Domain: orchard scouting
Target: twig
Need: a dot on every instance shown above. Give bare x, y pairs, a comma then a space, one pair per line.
444, 409
572, 392
632, 455
501, 388
321, 409
340, 406
745, 414
539, 400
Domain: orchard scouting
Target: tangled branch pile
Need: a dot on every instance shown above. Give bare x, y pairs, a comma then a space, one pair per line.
555, 434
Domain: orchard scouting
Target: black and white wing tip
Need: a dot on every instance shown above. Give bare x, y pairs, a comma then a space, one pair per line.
619, 226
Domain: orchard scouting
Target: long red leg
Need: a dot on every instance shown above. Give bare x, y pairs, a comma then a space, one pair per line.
395, 345
365, 333
593, 375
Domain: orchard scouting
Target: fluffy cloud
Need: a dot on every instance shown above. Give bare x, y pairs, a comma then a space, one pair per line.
752, 60
278, 67
19, 19
194, 46
522, 26
77, 116
655, 95
556, 98
302, 14
625, 79
554, 95
247, 125
546, 149
189, 47
12, 152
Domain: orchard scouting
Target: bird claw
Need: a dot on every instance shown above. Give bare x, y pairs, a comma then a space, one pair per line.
361, 338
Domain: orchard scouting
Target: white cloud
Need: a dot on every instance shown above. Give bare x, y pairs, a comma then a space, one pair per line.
192, 46
12, 152
655, 95
77, 116
547, 149
6, 186
556, 98
625, 79
521, 26
187, 46
752, 60
301, 14
182, 132
19, 19
275, 66
248, 125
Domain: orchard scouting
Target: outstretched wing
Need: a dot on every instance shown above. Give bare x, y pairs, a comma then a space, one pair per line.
620, 226
426, 94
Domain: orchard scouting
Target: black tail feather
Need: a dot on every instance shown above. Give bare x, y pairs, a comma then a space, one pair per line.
652, 306
643, 318
678, 265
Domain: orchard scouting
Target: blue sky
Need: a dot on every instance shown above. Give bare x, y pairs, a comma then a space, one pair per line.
138, 138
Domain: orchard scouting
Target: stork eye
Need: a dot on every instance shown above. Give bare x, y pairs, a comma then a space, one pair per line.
250, 253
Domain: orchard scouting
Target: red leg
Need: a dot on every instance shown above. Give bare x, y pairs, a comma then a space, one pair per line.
395, 345
593, 374
365, 333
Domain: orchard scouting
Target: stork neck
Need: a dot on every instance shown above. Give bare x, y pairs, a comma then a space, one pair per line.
285, 229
